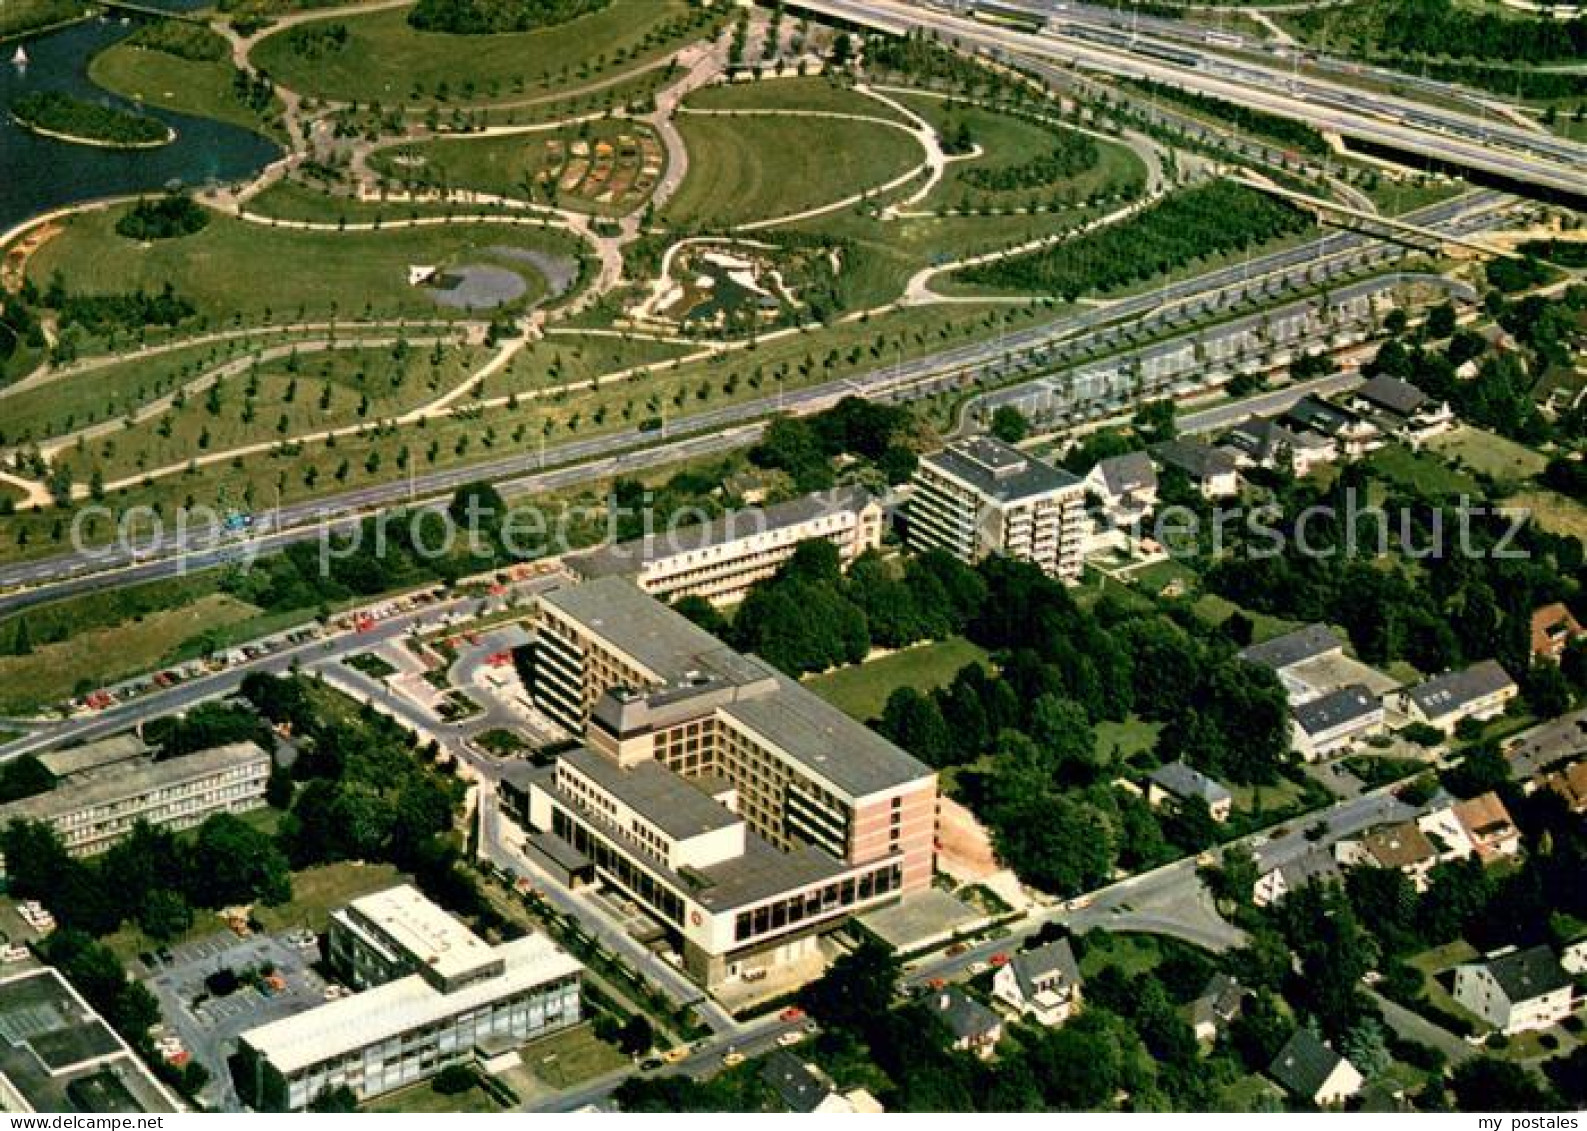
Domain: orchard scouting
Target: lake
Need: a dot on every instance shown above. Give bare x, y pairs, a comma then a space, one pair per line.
38, 174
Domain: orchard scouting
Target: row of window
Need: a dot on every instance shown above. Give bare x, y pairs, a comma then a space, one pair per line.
812, 905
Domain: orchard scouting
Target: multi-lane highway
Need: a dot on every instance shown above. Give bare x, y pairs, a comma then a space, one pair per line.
1079, 38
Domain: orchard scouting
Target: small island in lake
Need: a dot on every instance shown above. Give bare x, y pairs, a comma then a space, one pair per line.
53, 114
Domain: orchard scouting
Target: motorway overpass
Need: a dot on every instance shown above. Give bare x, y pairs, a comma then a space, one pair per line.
1383, 122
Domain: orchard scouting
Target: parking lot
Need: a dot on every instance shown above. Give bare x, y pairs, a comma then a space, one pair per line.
208, 1025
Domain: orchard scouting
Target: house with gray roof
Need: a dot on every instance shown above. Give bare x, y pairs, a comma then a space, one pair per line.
1043, 983
1314, 866
1399, 407
1218, 1004
1212, 471
972, 1027
1516, 990
1176, 783
1310, 1070
1333, 723
1264, 442
1126, 485
1312, 642
1353, 433
1480, 692
799, 1088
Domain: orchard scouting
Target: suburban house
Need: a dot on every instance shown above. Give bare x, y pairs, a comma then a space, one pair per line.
1315, 865
1264, 442
1177, 783
800, 1088
1293, 655
1516, 990
1219, 1004
1044, 983
1571, 785
1479, 692
1553, 628
1403, 409
1310, 1070
1211, 471
972, 1026
1127, 486
1335, 722
1351, 432
1481, 825
1401, 847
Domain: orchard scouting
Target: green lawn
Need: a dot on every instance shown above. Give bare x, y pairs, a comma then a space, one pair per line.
188, 86
317, 390
234, 268
542, 166
861, 691
1421, 472
1489, 453
76, 400
1009, 141
95, 658
1125, 740
757, 168
1215, 610
20, 16
316, 892
570, 1057
295, 200
1553, 512
1132, 954
386, 60
810, 93
1266, 798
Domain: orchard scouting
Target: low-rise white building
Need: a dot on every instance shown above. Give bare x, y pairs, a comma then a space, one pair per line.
1333, 723
1310, 1070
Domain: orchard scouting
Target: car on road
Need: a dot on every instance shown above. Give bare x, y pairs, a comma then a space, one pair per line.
673, 1056
732, 1058
650, 1064
998, 959
787, 1040
978, 967
792, 1013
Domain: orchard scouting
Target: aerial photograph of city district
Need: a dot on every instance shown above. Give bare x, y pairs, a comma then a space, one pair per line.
766, 556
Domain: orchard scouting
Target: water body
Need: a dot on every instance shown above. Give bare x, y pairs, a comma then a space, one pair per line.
38, 174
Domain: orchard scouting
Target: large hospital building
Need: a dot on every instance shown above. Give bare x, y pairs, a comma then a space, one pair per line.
744, 812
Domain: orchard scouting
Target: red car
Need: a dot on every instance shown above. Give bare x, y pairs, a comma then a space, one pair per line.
792, 1013
998, 959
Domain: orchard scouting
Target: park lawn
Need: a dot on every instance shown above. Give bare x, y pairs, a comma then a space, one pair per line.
1421, 472
889, 251
237, 270
1396, 198
518, 165
55, 672
1552, 511
570, 357
202, 88
423, 1099
78, 398
330, 389
471, 434
813, 92
318, 891
1126, 739
1489, 453
386, 60
1009, 141
861, 691
763, 167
